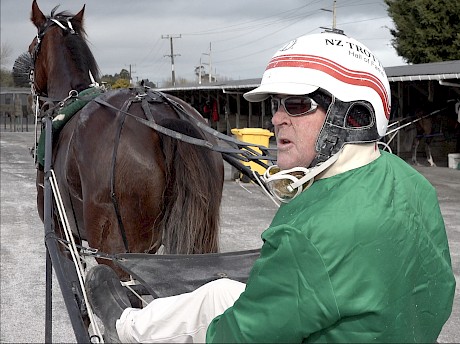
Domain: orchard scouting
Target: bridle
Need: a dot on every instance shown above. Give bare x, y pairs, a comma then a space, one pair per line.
41, 96
43, 103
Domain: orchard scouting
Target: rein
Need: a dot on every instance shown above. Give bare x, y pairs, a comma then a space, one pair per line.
245, 155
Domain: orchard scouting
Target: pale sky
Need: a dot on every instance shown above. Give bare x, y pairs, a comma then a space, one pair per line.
243, 34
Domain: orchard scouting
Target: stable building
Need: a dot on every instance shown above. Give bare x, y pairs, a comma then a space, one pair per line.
431, 87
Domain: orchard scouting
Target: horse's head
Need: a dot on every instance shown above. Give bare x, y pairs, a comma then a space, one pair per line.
62, 60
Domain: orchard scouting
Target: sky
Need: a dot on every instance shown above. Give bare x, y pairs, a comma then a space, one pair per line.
236, 38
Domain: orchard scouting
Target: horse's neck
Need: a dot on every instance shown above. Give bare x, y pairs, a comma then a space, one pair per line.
65, 77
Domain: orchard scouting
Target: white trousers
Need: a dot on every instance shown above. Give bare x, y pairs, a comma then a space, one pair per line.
181, 318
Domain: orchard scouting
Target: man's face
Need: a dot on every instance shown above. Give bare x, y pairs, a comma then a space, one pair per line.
296, 137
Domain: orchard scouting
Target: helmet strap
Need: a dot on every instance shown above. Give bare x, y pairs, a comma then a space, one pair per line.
335, 132
285, 185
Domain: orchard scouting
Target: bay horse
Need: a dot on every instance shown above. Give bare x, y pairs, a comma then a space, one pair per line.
125, 186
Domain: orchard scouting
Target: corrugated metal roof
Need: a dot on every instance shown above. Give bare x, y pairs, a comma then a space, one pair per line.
446, 67
447, 70
425, 71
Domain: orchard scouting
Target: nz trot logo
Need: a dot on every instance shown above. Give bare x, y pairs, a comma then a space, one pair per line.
357, 51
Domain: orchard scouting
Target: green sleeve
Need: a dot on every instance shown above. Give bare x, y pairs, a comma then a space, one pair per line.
288, 295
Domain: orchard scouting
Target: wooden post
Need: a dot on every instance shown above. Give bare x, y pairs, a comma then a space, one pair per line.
250, 115
262, 116
238, 110
227, 113
17, 111
218, 109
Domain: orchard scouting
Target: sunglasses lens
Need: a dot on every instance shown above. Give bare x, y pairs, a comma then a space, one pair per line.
297, 105
294, 106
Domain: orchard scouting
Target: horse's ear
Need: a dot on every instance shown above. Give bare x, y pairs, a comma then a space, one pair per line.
37, 17
78, 18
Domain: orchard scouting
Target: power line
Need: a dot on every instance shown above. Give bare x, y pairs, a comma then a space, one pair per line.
241, 26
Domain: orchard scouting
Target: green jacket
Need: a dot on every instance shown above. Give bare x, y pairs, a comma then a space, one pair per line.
359, 257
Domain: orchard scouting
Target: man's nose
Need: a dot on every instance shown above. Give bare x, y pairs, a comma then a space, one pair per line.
280, 116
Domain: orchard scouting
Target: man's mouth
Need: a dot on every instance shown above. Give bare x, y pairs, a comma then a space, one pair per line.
284, 140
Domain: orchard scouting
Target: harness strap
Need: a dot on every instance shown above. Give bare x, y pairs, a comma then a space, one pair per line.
180, 109
122, 112
243, 154
147, 111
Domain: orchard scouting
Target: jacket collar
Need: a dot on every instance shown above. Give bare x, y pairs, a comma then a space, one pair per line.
352, 156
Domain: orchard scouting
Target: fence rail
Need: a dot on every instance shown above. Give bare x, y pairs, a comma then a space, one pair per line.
16, 112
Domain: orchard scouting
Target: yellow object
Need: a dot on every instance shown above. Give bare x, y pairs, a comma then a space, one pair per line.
257, 136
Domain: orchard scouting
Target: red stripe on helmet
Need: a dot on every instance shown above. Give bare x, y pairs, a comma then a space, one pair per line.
335, 70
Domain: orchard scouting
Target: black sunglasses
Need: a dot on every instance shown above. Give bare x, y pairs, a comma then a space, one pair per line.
294, 105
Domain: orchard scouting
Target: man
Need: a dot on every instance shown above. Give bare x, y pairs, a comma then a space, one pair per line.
358, 251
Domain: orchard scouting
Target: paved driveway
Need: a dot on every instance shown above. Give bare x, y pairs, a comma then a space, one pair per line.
246, 212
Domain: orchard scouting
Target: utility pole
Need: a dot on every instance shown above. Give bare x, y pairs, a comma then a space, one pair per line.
334, 25
199, 72
210, 62
170, 37
130, 74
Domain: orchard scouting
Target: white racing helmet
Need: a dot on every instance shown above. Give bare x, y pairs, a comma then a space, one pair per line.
341, 75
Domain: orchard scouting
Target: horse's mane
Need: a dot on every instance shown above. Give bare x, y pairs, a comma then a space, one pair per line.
77, 44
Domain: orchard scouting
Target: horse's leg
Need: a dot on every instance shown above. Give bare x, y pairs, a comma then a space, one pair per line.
429, 157
415, 144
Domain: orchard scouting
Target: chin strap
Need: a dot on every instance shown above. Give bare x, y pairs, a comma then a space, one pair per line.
285, 185
314, 171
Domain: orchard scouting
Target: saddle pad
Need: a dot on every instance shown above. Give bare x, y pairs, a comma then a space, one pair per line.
167, 275
64, 115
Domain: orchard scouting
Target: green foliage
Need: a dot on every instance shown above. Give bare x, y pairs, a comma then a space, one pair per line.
118, 80
6, 78
108, 79
124, 74
426, 30
121, 83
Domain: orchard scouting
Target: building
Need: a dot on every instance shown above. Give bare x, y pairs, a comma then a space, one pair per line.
431, 87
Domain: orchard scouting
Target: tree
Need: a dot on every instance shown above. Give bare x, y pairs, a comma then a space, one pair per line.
148, 83
5, 54
426, 30
6, 78
124, 74
109, 79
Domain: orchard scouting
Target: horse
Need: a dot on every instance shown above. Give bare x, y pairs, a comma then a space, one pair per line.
424, 128
125, 186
